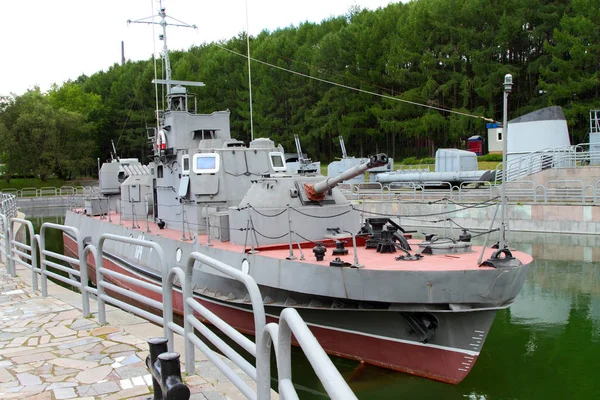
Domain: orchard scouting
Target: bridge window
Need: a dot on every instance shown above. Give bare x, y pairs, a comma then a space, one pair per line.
185, 164
202, 134
159, 171
206, 163
277, 161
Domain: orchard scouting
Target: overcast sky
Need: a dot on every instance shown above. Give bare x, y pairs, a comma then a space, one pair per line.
47, 41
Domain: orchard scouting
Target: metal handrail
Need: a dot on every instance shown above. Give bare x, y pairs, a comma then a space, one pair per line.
262, 357
26, 254
365, 188
290, 321
82, 272
52, 191
5, 240
519, 190
562, 192
101, 284
570, 156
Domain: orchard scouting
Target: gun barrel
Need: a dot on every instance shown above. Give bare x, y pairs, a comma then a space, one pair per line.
331, 182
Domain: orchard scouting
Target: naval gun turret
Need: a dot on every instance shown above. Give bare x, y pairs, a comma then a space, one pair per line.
316, 192
279, 207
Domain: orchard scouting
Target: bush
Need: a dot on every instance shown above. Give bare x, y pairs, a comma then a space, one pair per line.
409, 161
490, 157
417, 161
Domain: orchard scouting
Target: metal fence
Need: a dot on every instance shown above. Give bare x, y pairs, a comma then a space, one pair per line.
568, 191
52, 191
8, 205
523, 165
24, 250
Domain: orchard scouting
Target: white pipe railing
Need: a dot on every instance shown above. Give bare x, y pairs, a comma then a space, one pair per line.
52, 191
25, 254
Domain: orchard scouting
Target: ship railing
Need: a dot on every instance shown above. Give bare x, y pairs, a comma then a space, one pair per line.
23, 250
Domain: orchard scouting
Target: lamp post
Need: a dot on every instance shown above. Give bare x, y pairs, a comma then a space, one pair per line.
508, 84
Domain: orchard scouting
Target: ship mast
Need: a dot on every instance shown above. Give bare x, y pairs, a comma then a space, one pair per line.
164, 23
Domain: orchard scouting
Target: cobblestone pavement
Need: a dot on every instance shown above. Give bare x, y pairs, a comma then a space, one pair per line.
49, 351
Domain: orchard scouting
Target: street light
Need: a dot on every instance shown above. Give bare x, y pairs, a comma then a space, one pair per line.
508, 84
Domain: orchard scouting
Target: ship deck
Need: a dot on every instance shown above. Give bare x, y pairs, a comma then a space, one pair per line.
368, 258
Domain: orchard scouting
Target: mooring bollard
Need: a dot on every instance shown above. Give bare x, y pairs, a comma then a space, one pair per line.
166, 372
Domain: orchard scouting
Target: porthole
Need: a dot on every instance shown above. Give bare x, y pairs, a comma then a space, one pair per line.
178, 253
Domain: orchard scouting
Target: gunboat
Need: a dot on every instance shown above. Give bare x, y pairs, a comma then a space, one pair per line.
367, 290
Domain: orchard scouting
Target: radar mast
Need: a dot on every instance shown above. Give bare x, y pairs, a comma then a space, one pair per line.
164, 22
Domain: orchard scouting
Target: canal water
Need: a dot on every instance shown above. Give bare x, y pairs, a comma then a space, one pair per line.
545, 346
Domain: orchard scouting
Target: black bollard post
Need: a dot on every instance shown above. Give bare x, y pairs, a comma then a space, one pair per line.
157, 347
166, 372
171, 381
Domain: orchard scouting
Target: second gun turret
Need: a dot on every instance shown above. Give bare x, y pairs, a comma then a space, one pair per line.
316, 192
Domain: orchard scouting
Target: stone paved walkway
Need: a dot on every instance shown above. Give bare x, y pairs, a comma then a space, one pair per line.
49, 351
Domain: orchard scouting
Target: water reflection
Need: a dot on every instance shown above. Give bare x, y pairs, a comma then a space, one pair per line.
545, 346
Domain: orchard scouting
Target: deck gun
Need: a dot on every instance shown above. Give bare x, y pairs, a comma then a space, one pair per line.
316, 192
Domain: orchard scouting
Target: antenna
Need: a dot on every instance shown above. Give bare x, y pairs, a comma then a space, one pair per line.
163, 36
301, 159
343, 146
114, 152
249, 74
122, 52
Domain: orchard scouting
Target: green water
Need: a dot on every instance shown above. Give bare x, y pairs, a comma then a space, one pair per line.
545, 346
